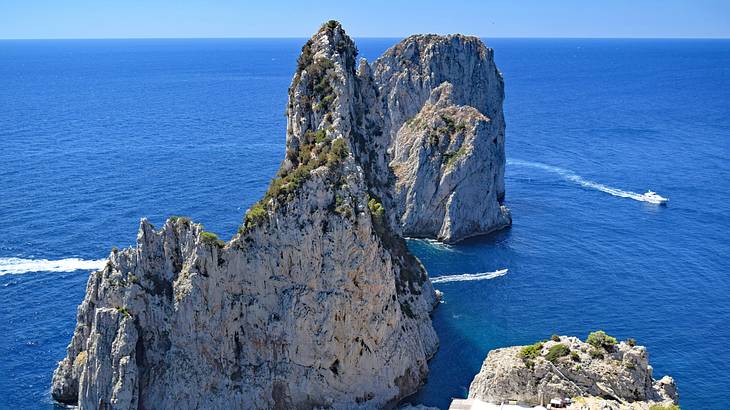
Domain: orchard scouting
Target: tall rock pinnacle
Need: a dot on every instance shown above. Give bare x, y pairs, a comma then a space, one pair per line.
317, 301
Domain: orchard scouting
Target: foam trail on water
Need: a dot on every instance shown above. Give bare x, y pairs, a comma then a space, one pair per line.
569, 175
465, 277
14, 266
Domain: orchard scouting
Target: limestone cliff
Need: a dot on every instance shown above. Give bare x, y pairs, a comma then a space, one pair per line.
601, 374
442, 104
315, 303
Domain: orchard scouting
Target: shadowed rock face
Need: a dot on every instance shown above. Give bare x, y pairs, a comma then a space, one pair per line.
316, 302
596, 378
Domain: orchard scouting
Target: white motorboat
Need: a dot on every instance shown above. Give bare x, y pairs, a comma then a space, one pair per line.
654, 198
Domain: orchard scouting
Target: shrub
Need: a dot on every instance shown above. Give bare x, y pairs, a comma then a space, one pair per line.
255, 216
210, 238
557, 351
124, 311
600, 339
630, 365
661, 407
555, 338
574, 356
338, 152
631, 342
531, 352
133, 278
376, 208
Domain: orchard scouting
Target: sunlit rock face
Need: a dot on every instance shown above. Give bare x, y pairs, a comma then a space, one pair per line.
316, 302
442, 101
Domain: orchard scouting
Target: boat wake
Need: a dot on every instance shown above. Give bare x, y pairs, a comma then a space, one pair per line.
15, 266
469, 276
570, 176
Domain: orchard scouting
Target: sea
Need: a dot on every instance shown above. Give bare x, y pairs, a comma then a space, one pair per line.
96, 134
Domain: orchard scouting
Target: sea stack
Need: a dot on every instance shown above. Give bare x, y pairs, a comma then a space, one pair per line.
443, 114
317, 301
600, 374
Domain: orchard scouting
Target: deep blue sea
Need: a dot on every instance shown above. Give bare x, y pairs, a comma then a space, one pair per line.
96, 134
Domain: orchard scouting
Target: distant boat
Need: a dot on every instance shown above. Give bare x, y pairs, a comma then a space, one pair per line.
654, 198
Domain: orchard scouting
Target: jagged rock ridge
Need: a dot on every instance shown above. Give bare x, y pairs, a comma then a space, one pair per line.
599, 375
316, 302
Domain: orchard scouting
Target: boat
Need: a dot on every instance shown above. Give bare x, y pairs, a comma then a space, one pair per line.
654, 198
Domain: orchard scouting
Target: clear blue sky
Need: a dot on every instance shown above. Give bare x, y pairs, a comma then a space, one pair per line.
393, 18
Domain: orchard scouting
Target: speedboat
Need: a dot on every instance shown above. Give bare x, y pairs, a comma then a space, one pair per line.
654, 198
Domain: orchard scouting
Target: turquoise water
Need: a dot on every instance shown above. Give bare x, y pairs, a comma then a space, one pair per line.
96, 134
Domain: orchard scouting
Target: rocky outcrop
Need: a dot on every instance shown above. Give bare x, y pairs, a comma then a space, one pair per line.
315, 303
445, 160
442, 106
601, 375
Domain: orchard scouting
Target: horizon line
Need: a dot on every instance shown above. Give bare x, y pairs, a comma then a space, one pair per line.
357, 37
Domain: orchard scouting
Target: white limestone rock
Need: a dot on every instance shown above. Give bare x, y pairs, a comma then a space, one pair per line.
445, 159
442, 97
595, 378
315, 303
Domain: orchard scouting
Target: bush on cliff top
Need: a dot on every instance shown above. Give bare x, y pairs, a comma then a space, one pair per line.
531, 352
557, 351
600, 339
211, 239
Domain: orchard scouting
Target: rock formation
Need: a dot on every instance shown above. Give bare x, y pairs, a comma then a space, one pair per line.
442, 102
601, 374
316, 302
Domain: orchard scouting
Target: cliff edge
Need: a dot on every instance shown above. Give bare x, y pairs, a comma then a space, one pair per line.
598, 374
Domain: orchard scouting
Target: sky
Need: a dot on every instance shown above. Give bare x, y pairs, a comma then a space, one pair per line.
51, 19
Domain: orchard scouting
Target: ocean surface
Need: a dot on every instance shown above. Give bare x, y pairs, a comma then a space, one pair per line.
95, 135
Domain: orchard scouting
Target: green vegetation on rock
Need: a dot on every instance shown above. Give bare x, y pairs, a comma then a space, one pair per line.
124, 311
180, 219
531, 352
376, 209
600, 340
661, 407
557, 351
450, 158
210, 238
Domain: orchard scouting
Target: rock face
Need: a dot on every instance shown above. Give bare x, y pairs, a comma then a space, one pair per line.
316, 302
442, 103
614, 376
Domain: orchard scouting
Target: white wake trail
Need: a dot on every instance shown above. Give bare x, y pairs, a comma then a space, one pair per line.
14, 266
464, 277
569, 175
